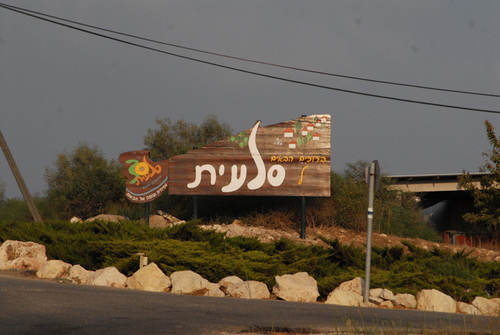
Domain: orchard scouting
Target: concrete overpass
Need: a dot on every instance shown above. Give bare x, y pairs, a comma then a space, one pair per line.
443, 201
425, 183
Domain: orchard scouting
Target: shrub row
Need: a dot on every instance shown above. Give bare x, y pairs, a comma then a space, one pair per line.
407, 269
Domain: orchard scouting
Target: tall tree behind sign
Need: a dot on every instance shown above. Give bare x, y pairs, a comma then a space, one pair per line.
290, 158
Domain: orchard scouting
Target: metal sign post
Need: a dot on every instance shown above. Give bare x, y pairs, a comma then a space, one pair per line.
372, 175
303, 219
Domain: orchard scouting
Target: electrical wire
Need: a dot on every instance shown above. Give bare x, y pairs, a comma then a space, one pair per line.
256, 61
28, 13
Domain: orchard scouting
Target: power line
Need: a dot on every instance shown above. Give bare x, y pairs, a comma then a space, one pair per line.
24, 12
259, 62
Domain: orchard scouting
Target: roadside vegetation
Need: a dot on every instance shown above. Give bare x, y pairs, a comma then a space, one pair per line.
409, 269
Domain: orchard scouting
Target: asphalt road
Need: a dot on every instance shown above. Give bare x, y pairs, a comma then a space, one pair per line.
31, 306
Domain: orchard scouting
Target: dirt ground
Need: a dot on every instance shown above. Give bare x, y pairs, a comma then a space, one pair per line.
346, 236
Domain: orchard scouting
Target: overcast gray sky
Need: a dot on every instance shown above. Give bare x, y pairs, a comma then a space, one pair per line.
60, 87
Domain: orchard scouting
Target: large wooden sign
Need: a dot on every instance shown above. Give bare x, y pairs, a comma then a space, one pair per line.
291, 158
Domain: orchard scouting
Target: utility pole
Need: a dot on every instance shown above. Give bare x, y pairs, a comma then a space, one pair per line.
19, 180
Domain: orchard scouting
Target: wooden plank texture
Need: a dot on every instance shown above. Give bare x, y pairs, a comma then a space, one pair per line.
290, 158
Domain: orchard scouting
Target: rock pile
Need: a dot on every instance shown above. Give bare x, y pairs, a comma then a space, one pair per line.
299, 287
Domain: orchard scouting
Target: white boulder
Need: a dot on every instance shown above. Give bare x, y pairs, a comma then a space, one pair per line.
249, 289
387, 294
465, 308
349, 293
22, 255
344, 298
356, 285
386, 304
212, 289
54, 269
149, 278
225, 282
78, 275
108, 217
109, 276
186, 282
490, 307
405, 299
435, 301
299, 287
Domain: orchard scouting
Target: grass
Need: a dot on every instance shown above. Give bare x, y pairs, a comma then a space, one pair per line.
96, 245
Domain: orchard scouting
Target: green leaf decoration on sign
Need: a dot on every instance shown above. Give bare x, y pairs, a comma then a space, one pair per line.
240, 139
309, 136
299, 141
298, 127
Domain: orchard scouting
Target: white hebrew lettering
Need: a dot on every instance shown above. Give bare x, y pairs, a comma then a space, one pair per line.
198, 171
260, 179
280, 175
236, 182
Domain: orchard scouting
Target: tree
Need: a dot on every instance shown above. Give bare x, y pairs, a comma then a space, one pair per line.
83, 182
177, 138
487, 195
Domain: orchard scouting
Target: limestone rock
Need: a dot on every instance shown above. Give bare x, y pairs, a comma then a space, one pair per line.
344, 298
490, 307
299, 287
387, 294
212, 289
109, 276
249, 289
387, 304
54, 269
465, 308
163, 220
108, 217
433, 300
224, 283
75, 219
375, 292
367, 304
78, 275
356, 285
405, 299
349, 293
186, 282
22, 255
158, 221
149, 278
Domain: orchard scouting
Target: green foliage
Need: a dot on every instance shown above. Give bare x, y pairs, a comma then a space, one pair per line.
83, 182
486, 197
15, 210
96, 245
172, 139
395, 212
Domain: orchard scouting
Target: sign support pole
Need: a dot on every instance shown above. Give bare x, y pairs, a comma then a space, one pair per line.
19, 179
373, 179
195, 207
146, 214
303, 221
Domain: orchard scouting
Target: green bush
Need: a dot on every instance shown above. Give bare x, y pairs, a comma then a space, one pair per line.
98, 244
